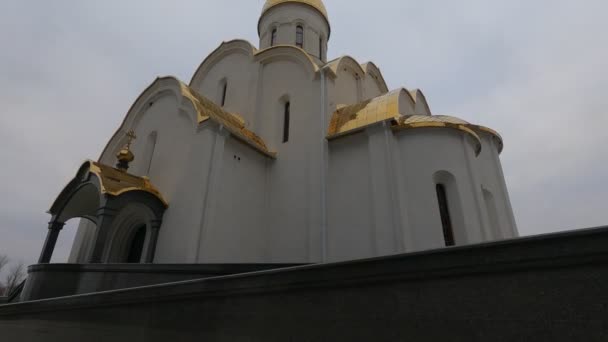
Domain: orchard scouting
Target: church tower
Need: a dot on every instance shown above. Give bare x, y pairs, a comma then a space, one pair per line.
303, 23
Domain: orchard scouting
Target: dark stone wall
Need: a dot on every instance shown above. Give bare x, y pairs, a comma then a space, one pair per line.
61, 280
547, 288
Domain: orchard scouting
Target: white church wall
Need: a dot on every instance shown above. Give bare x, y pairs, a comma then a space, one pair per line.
493, 183
384, 200
370, 87
236, 231
350, 229
428, 156
174, 129
347, 89
237, 70
294, 190
285, 80
181, 232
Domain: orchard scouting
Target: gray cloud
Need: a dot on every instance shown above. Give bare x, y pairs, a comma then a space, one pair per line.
533, 70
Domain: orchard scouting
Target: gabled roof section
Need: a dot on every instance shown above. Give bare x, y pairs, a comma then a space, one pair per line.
372, 70
115, 182
207, 110
204, 110
352, 118
397, 107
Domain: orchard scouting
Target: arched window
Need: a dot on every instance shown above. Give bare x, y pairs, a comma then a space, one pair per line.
300, 36
224, 93
136, 246
320, 47
286, 118
446, 220
273, 37
149, 153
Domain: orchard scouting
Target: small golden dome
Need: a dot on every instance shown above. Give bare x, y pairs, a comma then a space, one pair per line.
125, 156
316, 4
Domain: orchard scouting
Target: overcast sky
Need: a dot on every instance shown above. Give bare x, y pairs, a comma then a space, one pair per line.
534, 70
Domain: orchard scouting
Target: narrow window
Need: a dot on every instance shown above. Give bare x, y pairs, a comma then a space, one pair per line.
300, 36
286, 117
273, 37
446, 221
149, 152
320, 48
136, 247
224, 92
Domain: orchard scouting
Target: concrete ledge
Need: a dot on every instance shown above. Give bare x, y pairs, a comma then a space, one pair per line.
546, 288
61, 280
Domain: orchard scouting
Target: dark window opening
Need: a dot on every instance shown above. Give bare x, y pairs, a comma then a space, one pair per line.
224, 92
273, 37
136, 247
320, 48
300, 36
286, 118
446, 221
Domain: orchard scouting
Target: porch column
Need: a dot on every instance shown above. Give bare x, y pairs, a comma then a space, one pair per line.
105, 217
151, 250
51, 239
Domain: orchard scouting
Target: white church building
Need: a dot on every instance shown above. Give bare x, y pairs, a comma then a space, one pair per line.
275, 154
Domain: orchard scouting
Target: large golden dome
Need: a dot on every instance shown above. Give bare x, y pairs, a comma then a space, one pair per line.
316, 4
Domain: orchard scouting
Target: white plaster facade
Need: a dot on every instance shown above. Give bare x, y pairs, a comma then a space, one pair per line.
323, 195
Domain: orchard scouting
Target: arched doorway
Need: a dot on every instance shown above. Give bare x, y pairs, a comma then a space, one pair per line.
118, 204
136, 245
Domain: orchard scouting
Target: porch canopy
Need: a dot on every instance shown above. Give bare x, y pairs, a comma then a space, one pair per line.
118, 203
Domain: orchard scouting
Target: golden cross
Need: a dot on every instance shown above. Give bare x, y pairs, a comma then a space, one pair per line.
131, 136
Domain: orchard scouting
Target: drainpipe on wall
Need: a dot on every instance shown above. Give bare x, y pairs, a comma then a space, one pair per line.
324, 165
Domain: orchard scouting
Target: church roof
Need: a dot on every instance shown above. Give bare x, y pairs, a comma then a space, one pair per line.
116, 182
316, 4
360, 115
350, 119
207, 110
437, 121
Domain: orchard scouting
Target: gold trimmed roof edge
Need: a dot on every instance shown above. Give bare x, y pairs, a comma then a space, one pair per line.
115, 182
402, 124
358, 116
235, 124
493, 133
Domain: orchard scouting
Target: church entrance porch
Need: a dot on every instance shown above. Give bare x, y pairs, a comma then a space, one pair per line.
126, 211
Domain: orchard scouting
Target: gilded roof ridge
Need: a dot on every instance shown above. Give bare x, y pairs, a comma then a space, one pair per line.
115, 182
234, 123
354, 118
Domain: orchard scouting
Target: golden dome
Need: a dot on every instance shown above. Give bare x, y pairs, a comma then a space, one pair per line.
316, 4
125, 156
